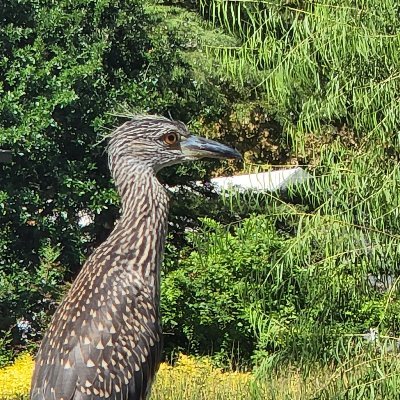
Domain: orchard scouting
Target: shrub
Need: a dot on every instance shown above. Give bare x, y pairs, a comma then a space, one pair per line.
207, 298
65, 68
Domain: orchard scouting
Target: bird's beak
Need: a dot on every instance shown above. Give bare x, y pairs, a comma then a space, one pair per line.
195, 147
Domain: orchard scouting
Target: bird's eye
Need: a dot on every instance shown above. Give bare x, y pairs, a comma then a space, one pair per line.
171, 138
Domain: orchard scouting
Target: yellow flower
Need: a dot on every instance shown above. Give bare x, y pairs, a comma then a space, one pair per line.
190, 378
15, 380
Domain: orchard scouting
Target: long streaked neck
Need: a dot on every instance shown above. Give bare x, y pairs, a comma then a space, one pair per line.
142, 228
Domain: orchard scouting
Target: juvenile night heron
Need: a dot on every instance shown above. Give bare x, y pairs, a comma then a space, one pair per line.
104, 341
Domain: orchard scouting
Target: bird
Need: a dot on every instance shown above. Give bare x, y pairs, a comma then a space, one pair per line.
104, 340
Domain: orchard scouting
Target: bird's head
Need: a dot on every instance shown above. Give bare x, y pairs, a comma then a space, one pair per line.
157, 142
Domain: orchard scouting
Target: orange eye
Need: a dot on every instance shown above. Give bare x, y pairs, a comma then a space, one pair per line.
171, 138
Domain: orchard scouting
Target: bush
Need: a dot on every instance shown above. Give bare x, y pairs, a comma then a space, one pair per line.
317, 68
65, 68
207, 298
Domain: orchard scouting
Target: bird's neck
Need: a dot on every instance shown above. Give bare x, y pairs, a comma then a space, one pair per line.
141, 230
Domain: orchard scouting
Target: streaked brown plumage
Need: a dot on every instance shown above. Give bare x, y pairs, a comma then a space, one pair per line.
105, 340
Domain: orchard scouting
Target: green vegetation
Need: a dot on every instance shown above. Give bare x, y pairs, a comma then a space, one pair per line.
66, 71
317, 66
328, 74
280, 281
193, 378
207, 299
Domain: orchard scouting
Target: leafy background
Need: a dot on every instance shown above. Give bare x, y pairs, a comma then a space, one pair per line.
266, 279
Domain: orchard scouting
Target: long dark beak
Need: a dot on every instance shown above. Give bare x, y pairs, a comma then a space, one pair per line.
195, 147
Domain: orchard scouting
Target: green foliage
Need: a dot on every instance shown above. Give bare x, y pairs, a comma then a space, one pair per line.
6, 352
207, 298
341, 239
315, 82
61, 68
65, 69
365, 373
327, 74
315, 65
27, 299
294, 282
